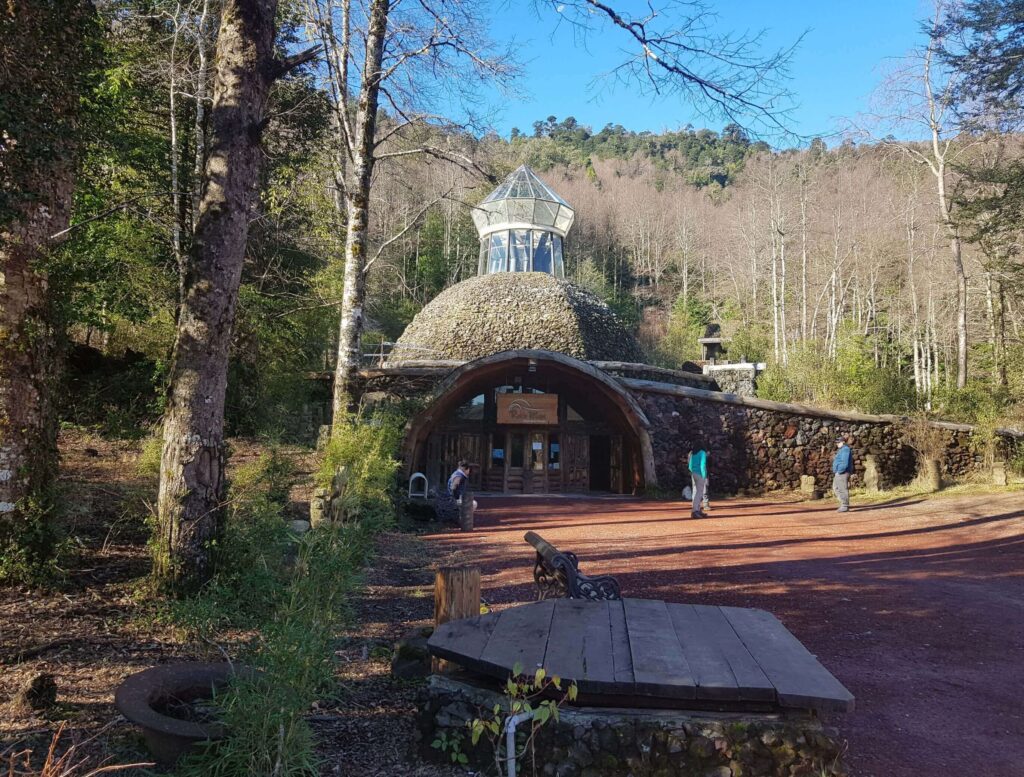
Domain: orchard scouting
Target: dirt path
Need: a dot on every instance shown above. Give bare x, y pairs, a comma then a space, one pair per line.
917, 606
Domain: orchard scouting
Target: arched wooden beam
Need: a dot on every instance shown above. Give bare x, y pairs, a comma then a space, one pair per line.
448, 392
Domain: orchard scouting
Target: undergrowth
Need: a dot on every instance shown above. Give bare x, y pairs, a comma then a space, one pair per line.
282, 598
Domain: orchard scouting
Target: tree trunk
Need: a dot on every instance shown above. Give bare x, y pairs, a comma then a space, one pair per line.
190, 505
199, 131
350, 328
45, 56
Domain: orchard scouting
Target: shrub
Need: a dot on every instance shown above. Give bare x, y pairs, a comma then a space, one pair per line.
366, 448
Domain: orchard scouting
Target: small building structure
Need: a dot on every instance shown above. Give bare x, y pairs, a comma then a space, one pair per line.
536, 381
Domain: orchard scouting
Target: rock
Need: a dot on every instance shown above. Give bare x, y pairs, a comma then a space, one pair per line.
318, 507
410, 658
999, 473
299, 526
38, 693
494, 312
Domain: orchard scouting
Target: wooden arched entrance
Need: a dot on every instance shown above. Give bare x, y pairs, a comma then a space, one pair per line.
533, 422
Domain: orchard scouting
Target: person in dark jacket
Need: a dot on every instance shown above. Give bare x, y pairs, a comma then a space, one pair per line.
842, 466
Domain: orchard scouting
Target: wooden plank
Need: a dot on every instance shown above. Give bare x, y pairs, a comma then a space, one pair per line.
709, 667
462, 641
659, 666
751, 682
521, 636
622, 657
580, 645
799, 679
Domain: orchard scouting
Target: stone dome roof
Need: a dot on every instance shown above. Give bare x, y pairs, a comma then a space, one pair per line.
510, 311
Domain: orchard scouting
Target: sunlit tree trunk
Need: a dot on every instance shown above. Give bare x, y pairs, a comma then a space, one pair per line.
191, 498
350, 328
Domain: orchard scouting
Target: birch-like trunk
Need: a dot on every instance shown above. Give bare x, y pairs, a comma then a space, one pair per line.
199, 130
350, 328
191, 498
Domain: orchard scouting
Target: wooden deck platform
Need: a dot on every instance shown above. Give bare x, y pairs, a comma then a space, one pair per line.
643, 652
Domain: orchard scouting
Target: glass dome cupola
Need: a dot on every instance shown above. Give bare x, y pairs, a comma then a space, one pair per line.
521, 226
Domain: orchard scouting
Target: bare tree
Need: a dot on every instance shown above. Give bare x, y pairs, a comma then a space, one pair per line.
920, 93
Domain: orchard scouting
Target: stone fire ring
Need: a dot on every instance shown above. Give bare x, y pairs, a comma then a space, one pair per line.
169, 738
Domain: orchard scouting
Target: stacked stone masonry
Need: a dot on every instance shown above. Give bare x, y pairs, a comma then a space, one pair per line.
755, 450
592, 742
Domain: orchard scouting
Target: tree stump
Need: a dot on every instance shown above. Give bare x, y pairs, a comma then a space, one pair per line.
456, 596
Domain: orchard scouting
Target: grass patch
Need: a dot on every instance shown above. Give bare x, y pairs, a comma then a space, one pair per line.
916, 489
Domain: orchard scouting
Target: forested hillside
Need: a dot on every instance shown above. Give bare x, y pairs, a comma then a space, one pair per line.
832, 262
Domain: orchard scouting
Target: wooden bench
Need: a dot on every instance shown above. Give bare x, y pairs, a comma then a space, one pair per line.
557, 574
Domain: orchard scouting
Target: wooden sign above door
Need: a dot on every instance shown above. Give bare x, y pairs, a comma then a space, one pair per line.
528, 409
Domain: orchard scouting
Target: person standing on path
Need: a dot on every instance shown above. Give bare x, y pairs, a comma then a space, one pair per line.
842, 466
697, 461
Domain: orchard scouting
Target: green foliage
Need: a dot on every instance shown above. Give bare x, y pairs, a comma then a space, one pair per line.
367, 449
701, 157
29, 553
852, 380
687, 322
150, 452
539, 695
451, 745
290, 594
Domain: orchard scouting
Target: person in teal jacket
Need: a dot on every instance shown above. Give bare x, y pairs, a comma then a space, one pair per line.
697, 461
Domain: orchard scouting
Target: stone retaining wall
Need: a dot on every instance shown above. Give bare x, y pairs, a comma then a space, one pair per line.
756, 449
595, 742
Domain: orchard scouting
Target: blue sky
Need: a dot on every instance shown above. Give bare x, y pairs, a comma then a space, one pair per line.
833, 73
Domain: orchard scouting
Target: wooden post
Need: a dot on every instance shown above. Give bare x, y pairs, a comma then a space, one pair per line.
456, 596
466, 510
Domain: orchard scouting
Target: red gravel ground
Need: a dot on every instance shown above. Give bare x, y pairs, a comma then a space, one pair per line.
916, 605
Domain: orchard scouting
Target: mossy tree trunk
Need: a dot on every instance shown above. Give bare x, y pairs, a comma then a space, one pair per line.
46, 56
191, 499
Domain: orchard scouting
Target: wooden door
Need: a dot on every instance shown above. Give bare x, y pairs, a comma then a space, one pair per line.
576, 462
515, 456
616, 463
537, 463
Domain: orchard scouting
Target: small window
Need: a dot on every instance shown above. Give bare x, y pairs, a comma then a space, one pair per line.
571, 414
554, 453
498, 451
556, 253
473, 410
519, 253
498, 251
542, 251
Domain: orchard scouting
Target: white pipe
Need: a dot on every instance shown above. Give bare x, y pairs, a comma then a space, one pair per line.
510, 740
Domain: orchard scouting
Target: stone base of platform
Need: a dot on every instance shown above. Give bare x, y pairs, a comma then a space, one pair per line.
613, 742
